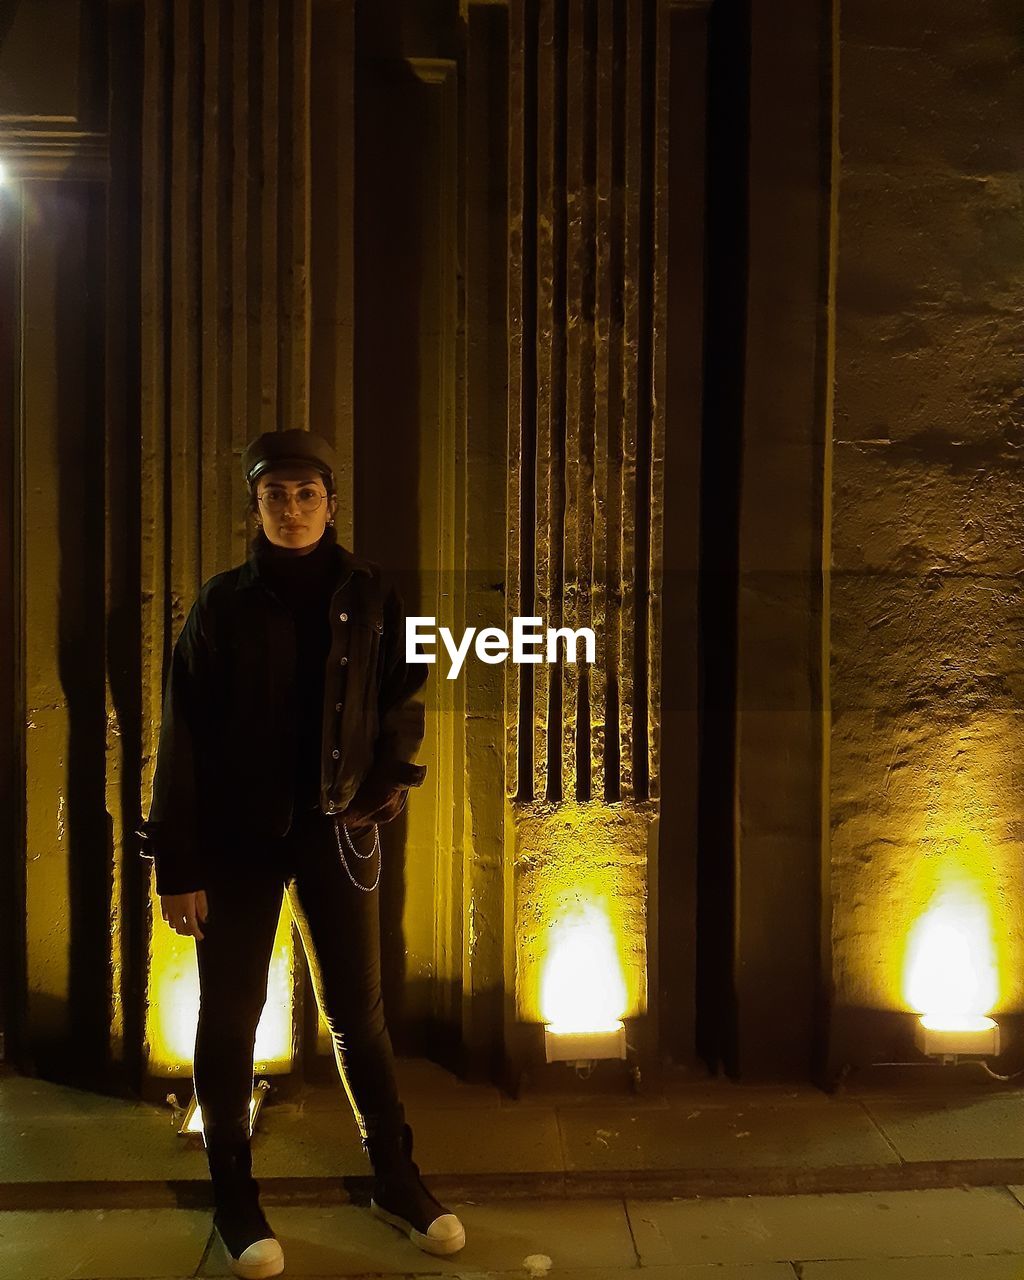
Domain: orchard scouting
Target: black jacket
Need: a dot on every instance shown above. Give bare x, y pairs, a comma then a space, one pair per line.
226, 752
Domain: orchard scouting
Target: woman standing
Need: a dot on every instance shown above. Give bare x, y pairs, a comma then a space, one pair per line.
290, 728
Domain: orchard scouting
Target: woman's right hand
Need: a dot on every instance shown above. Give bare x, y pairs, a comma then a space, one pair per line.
184, 912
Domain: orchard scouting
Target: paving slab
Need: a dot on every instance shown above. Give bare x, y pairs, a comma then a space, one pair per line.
857, 1225
290, 1143
1006, 1266
113, 1244
424, 1083
526, 1140
758, 1271
965, 1128
709, 1271
144, 1147
699, 1137
349, 1241
23, 1098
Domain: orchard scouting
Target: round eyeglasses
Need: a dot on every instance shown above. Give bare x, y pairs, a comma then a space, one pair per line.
278, 499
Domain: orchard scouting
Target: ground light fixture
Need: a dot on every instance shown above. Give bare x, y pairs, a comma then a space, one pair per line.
583, 993
191, 1117
952, 978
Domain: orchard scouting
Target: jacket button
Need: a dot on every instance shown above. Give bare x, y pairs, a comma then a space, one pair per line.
343, 617
335, 753
344, 662
337, 706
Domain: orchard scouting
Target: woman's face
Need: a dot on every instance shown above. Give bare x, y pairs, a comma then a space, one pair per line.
294, 506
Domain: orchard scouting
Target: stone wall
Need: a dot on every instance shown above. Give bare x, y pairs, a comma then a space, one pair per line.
924, 531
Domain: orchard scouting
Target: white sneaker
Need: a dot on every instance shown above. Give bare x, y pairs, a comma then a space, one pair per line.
445, 1234
260, 1260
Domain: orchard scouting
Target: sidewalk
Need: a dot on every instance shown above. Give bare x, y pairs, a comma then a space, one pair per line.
60, 1148
917, 1177
975, 1234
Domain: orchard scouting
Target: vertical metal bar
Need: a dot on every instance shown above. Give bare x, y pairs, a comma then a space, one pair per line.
269, 415
215, 459
518, 386
659, 334
153, 373
632, 322
240, 250
184, 414
547, 392
605, 388
648, 515
577, 205
298, 198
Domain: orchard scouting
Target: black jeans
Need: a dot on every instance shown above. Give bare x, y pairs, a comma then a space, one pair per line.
340, 930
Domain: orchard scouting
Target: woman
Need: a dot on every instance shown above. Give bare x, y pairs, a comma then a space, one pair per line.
290, 727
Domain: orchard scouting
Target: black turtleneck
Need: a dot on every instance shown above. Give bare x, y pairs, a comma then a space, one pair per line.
304, 584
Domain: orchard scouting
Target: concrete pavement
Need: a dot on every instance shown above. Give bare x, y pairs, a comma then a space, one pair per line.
919, 1178
944, 1234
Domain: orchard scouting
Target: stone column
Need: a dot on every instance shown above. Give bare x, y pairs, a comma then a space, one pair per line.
923, 517
236, 319
586, 442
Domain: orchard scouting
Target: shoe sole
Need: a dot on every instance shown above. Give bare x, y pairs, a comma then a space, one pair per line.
253, 1270
439, 1248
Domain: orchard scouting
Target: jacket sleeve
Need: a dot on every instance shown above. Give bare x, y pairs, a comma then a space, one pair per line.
170, 835
383, 793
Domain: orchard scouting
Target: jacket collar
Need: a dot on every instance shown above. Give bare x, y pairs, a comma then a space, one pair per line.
251, 572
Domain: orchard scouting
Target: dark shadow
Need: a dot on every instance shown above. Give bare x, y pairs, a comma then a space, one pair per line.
124, 619
724, 361
12, 676
392, 184
77, 489
679, 802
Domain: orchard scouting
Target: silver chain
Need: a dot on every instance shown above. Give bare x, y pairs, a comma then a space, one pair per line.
364, 856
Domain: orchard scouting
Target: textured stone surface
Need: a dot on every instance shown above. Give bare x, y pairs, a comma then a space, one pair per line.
571, 855
681, 1138
868, 1225
926, 560
967, 1267
111, 1244
348, 1241
958, 1129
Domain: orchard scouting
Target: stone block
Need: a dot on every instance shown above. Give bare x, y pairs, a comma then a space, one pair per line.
866, 1226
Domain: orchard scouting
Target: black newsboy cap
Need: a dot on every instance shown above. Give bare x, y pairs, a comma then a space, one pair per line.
281, 448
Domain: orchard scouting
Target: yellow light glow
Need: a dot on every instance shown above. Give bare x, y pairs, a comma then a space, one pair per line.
967, 1023
582, 987
951, 975
195, 1120
174, 1003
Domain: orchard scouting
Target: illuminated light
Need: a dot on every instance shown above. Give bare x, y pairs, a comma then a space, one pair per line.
582, 988
583, 991
193, 1120
952, 979
3, 174
173, 1004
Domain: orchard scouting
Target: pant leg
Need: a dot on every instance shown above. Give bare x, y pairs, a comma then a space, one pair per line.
234, 963
340, 930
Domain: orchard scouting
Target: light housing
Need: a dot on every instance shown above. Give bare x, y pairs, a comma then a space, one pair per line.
976, 1037
583, 1047
192, 1119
